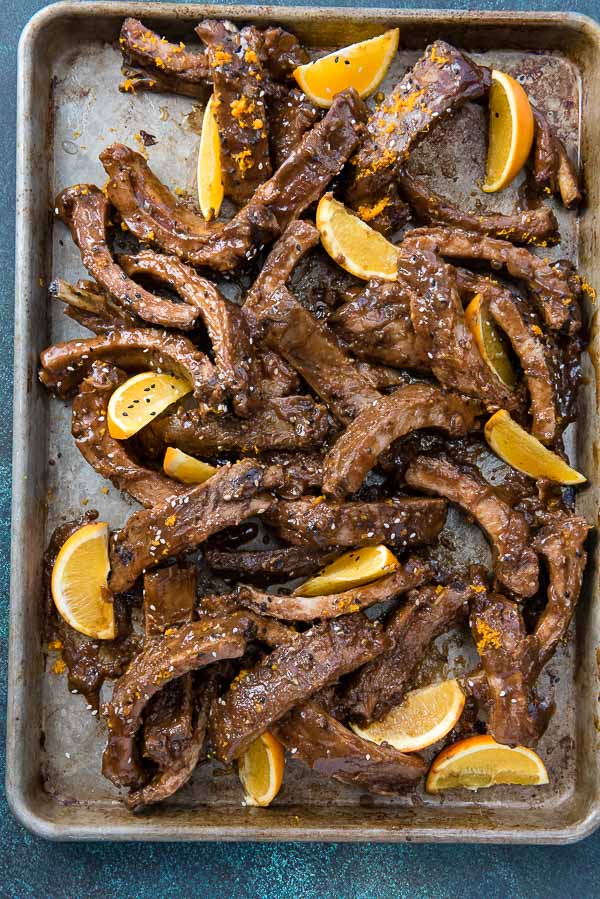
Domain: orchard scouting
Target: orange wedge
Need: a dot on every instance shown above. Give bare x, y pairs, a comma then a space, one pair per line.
79, 582
423, 718
353, 244
510, 132
362, 66
261, 768
352, 569
186, 469
524, 452
479, 762
140, 399
491, 343
210, 181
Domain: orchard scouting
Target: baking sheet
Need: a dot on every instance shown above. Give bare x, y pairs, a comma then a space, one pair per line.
70, 109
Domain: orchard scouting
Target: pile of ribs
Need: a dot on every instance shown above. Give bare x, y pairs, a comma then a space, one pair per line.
339, 414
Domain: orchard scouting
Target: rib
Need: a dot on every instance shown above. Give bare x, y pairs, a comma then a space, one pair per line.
288, 676
169, 598
307, 345
296, 241
333, 750
239, 106
284, 423
515, 563
376, 324
302, 471
561, 544
151, 212
291, 115
409, 575
383, 683
501, 639
528, 226
227, 330
91, 307
176, 69
180, 524
86, 212
537, 357
154, 80
552, 167
437, 85
175, 62
439, 323
64, 365
554, 288
169, 601
409, 408
267, 564
161, 661
109, 457
167, 782
319, 523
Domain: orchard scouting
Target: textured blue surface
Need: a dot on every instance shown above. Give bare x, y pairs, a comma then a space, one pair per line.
31, 868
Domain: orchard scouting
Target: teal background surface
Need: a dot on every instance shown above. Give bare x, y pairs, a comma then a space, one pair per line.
30, 867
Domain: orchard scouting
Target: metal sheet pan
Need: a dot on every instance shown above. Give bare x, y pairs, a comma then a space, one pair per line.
68, 109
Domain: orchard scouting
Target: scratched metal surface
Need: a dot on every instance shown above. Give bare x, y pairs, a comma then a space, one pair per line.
87, 114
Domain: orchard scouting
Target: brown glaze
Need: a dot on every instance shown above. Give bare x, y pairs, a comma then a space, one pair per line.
152, 213
382, 684
279, 423
239, 106
183, 522
64, 365
333, 750
437, 85
161, 661
291, 115
313, 351
317, 522
86, 212
231, 344
529, 226
407, 409
409, 575
438, 320
92, 307
515, 563
538, 357
376, 324
109, 457
289, 675
266, 564
553, 287
169, 601
552, 167
501, 639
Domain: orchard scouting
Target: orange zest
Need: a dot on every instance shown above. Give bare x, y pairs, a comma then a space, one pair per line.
511, 131
140, 399
362, 66
352, 569
210, 181
186, 469
353, 244
424, 717
479, 762
521, 450
261, 769
491, 343
79, 582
